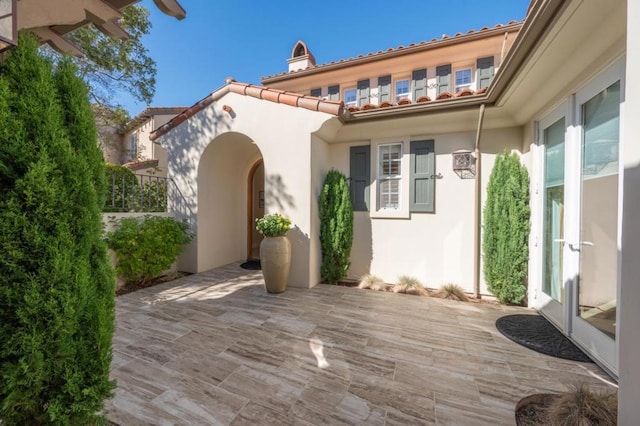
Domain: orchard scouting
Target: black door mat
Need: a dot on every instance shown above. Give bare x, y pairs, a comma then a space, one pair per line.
252, 265
535, 332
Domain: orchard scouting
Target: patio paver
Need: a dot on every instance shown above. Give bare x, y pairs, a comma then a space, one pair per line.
215, 348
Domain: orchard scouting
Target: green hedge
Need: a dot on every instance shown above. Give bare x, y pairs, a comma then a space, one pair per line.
147, 246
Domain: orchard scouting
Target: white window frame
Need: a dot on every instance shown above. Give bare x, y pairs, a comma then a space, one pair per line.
460, 87
355, 96
406, 95
382, 177
402, 212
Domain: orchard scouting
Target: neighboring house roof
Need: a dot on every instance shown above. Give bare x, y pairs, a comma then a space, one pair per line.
141, 164
149, 113
445, 40
50, 20
311, 103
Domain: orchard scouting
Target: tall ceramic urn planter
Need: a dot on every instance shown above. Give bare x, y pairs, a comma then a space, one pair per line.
275, 251
275, 259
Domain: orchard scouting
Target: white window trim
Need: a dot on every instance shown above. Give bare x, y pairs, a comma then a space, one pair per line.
344, 97
397, 177
408, 94
458, 88
403, 211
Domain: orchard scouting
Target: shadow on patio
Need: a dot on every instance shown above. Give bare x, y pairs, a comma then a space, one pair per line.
215, 348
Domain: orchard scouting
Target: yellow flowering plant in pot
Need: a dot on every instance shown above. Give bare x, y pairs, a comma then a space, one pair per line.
275, 251
273, 225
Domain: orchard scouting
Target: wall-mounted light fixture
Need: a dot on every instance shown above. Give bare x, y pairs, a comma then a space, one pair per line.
8, 24
464, 164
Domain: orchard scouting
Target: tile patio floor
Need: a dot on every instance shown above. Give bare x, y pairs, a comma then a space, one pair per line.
214, 348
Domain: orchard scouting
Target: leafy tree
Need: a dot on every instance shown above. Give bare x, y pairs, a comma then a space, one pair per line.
111, 66
506, 229
336, 227
56, 284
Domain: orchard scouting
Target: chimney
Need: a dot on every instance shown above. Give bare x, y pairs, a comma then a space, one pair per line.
301, 58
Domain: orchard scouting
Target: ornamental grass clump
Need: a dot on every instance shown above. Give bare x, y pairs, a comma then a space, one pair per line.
410, 285
273, 225
372, 282
581, 406
452, 292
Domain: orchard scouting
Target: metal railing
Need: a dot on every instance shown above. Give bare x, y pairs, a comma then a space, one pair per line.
136, 193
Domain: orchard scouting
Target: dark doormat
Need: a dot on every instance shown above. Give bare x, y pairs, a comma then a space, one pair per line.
252, 265
535, 332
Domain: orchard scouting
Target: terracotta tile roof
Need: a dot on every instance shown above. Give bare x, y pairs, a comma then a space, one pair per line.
311, 103
401, 50
141, 164
148, 113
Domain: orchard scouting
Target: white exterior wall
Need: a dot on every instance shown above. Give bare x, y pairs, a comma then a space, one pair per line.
629, 297
283, 136
437, 248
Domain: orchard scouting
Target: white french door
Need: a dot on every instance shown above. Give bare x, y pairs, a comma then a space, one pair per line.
580, 216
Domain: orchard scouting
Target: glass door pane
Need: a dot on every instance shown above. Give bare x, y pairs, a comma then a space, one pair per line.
553, 227
599, 224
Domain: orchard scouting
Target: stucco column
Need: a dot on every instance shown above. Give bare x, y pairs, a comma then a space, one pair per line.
629, 297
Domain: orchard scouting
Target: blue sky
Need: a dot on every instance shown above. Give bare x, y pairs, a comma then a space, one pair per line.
250, 39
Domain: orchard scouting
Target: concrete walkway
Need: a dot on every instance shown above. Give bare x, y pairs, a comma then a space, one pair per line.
215, 348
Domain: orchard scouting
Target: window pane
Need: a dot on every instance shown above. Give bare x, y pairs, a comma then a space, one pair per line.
599, 228
390, 193
390, 157
463, 76
350, 96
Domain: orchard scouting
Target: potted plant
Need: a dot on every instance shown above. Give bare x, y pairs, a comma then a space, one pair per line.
275, 251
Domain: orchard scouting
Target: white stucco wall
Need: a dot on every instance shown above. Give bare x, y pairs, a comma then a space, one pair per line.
282, 134
435, 247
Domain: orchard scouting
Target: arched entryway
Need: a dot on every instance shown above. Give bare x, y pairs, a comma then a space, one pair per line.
255, 208
223, 171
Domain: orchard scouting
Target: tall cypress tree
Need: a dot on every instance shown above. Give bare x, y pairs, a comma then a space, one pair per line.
506, 229
56, 286
336, 227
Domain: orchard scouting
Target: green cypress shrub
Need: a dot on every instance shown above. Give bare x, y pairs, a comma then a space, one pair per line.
56, 286
336, 227
506, 229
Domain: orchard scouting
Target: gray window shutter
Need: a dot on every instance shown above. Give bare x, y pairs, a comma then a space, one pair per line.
316, 92
419, 78
363, 92
334, 93
485, 71
443, 78
384, 89
360, 176
422, 176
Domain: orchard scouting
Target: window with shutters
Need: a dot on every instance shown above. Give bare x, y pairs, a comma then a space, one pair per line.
443, 79
422, 176
463, 79
389, 175
419, 78
384, 89
350, 97
402, 90
363, 92
333, 93
485, 72
360, 176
